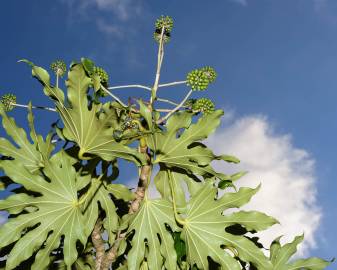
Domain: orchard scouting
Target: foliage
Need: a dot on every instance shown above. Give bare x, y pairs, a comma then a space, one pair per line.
66, 212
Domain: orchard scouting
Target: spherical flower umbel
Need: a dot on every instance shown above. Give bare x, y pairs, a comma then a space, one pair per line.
103, 75
210, 73
197, 80
7, 101
166, 22
204, 105
59, 67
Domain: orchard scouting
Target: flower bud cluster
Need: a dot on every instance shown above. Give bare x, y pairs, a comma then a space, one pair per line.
7, 101
204, 105
103, 75
164, 23
59, 67
199, 79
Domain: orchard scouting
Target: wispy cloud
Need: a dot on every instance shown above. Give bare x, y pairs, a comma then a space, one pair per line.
110, 16
286, 173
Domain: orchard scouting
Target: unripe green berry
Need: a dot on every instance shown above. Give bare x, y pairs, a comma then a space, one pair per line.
166, 22
204, 105
197, 80
103, 75
7, 102
210, 73
59, 67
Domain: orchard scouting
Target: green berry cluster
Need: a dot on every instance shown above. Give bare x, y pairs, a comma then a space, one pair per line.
204, 105
7, 102
59, 67
103, 75
210, 73
199, 79
165, 22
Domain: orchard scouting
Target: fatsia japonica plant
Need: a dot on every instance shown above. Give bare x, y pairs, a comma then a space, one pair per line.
67, 212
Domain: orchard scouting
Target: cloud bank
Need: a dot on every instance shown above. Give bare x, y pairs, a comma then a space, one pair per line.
286, 173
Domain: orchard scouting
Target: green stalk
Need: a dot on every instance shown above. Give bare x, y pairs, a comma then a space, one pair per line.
180, 220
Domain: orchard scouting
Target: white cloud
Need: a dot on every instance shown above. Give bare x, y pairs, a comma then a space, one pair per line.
110, 16
286, 173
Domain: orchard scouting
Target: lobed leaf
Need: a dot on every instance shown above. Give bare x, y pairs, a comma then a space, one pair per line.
151, 239
204, 230
56, 213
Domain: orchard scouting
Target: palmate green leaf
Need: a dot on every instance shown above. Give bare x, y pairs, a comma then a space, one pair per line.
44, 147
161, 181
185, 150
57, 213
85, 261
98, 194
204, 229
148, 225
93, 134
280, 256
31, 155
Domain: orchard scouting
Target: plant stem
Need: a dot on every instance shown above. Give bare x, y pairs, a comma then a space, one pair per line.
98, 243
111, 255
181, 104
163, 110
130, 86
171, 83
57, 80
176, 215
144, 176
113, 96
167, 101
160, 57
34, 107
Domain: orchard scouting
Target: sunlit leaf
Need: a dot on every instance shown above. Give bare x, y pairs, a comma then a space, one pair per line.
179, 146
150, 232
204, 230
31, 155
280, 256
57, 213
93, 134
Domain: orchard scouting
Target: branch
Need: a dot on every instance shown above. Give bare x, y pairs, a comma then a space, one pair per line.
144, 176
113, 96
181, 104
34, 107
163, 110
142, 183
172, 83
111, 255
159, 63
98, 243
130, 86
167, 101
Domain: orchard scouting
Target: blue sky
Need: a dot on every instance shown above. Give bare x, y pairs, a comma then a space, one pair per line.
276, 62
